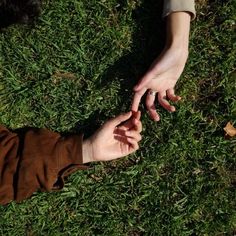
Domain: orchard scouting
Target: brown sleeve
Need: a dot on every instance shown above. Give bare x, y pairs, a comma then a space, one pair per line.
36, 159
179, 5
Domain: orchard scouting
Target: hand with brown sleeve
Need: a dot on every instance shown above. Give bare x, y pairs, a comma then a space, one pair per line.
39, 159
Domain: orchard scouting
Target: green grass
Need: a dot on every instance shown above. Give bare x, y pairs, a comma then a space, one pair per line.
182, 180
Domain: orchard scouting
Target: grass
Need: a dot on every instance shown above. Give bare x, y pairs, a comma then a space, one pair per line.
75, 68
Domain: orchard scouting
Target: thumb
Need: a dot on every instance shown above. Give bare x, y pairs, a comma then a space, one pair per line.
143, 82
119, 119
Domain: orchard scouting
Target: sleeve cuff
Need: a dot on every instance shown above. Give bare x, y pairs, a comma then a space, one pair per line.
179, 5
70, 159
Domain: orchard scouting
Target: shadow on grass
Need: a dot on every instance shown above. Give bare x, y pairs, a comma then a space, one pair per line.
148, 41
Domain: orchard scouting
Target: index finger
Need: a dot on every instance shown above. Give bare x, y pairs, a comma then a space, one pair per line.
137, 98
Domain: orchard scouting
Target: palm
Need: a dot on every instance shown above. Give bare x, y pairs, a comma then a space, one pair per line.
116, 146
161, 84
161, 78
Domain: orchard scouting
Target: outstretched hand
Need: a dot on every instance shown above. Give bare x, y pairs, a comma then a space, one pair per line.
118, 137
160, 80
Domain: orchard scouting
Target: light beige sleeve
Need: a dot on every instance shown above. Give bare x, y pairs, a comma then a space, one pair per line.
179, 5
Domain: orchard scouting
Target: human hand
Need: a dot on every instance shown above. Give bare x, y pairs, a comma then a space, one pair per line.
165, 71
118, 137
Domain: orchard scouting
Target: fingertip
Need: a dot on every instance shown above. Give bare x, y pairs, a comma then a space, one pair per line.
134, 109
128, 114
172, 109
156, 118
154, 115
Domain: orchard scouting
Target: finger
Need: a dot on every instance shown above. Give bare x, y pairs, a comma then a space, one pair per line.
164, 103
126, 126
136, 115
136, 121
119, 119
138, 126
133, 134
132, 123
171, 95
144, 81
129, 124
122, 139
150, 103
119, 131
134, 145
137, 98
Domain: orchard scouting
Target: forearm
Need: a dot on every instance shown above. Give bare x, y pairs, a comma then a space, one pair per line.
178, 28
33, 159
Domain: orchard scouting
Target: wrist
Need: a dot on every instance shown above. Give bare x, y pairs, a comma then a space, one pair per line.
87, 151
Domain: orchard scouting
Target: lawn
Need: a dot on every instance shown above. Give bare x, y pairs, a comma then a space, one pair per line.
75, 68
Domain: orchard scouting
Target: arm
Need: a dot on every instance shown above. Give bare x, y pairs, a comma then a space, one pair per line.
35, 159
165, 71
38, 159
